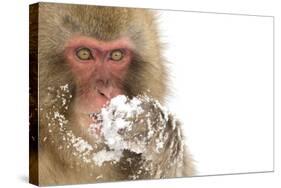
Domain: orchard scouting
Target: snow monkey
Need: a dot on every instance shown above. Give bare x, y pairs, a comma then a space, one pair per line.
102, 84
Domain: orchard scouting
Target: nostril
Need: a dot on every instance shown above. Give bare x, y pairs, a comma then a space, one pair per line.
102, 82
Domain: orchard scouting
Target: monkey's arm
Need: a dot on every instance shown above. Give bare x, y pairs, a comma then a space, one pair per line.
144, 139
155, 146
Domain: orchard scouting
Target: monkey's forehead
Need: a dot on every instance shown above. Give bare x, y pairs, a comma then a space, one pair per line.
104, 23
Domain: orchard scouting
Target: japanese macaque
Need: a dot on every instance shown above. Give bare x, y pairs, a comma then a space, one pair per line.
102, 87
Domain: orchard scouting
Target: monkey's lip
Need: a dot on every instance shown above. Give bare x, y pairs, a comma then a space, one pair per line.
103, 94
102, 99
93, 102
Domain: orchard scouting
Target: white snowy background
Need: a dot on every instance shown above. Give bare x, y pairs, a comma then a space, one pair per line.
222, 84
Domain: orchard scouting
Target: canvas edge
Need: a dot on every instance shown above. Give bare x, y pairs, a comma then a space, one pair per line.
33, 94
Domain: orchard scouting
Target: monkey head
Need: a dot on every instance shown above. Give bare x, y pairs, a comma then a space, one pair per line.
101, 52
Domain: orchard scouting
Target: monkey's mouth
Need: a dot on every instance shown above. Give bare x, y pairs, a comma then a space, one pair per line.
102, 99
97, 98
103, 94
107, 93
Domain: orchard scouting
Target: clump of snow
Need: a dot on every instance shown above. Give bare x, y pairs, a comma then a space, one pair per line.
118, 115
120, 121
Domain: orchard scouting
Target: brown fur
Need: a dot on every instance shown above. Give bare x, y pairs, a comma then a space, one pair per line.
58, 23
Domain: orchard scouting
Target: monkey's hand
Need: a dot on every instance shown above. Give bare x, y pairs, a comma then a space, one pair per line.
146, 134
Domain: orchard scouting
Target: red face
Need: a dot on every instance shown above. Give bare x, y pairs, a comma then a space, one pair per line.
99, 70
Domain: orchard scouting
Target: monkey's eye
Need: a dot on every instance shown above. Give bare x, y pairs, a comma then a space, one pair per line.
116, 55
83, 53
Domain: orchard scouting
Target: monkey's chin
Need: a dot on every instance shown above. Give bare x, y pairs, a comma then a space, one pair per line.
99, 103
